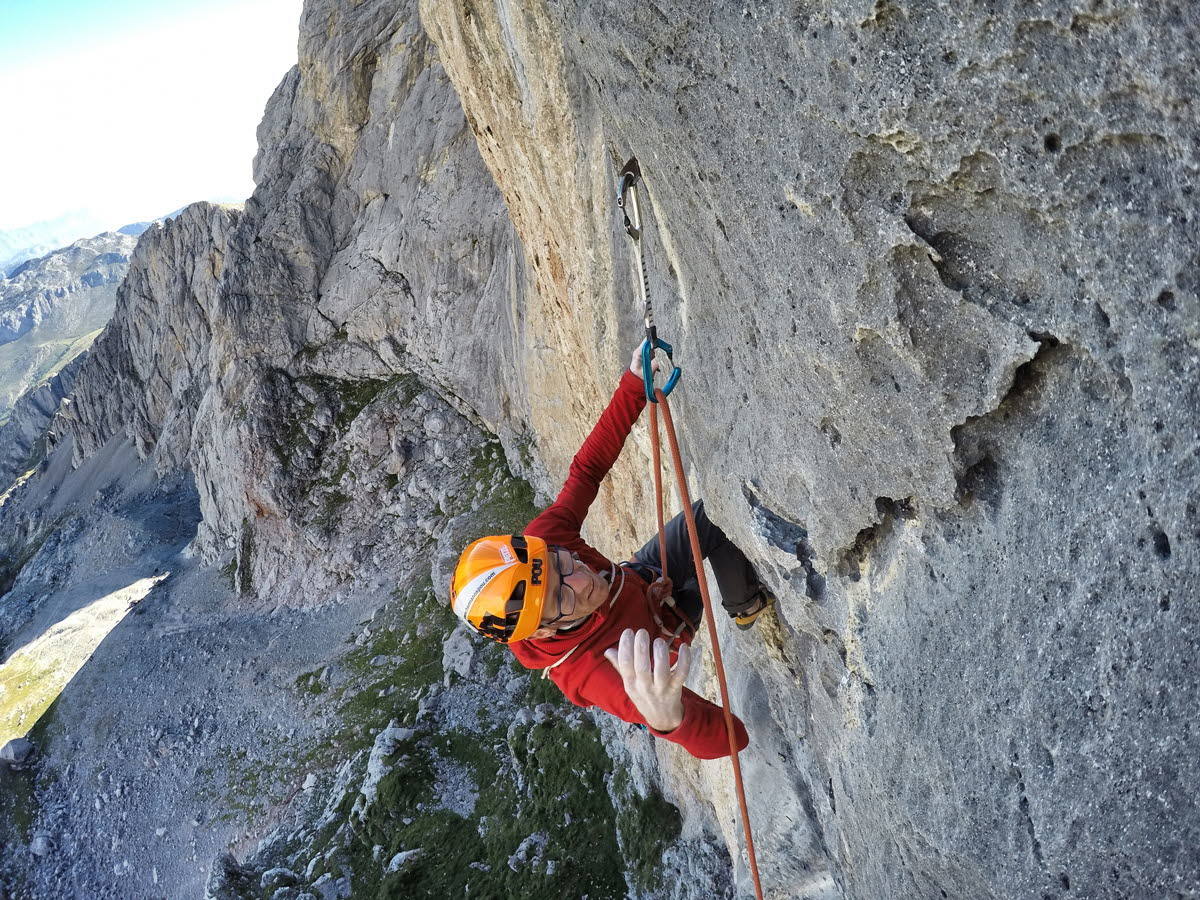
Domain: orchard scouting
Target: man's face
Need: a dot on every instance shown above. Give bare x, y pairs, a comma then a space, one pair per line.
591, 592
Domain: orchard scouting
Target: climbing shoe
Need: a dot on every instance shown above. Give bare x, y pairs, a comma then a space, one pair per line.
762, 599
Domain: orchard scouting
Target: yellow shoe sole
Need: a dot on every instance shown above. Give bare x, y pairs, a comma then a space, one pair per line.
745, 620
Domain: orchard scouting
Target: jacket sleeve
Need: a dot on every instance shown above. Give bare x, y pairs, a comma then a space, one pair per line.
563, 519
702, 732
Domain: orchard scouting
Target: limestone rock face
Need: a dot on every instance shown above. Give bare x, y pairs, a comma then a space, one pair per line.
930, 274
244, 343
147, 371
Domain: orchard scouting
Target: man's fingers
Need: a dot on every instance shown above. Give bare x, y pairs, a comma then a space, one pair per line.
613, 655
662, 664
641, 655
625, 654
682, 665
645, 667
635, 362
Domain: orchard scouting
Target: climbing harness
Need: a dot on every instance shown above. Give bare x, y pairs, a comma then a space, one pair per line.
659, 594
627, 201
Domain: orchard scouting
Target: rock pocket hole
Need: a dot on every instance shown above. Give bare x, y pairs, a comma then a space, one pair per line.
980, 481
1162, 544
1052, 142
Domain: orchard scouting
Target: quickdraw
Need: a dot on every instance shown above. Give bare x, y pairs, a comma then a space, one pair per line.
629, 177
627, 202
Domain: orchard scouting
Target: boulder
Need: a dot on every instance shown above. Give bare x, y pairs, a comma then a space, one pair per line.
17, 752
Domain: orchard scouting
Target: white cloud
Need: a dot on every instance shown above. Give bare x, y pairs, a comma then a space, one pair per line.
138, 125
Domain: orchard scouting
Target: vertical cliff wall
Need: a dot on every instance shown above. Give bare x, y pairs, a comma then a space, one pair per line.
295, 361
930, 274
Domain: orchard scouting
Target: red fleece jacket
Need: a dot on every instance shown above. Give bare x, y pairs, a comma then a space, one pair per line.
577, 657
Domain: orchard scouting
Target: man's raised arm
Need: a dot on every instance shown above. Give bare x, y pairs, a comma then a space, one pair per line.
596, 457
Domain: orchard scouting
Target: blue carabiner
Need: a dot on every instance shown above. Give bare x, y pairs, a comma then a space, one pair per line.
648, 348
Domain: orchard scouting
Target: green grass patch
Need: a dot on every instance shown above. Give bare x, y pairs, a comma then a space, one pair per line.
310, 683
646, 826
36, 357
71, 350
495, 658
229, 570
510, 504
29, 686
402, 658
352, 397
547, 778
345, 399
332, 503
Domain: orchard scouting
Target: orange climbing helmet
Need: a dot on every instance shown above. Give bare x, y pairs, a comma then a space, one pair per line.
499, 586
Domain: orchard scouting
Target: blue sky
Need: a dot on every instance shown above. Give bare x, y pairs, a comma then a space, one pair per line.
124, 110
34, 28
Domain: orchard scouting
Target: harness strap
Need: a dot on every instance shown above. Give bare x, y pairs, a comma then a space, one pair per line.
673, 635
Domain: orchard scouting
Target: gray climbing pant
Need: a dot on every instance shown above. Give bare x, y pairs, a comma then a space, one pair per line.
736, 579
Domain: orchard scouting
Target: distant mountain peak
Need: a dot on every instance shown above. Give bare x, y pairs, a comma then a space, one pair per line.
20, 245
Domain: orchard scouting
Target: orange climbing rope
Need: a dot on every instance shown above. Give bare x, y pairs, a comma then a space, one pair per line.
627, 202
694, 538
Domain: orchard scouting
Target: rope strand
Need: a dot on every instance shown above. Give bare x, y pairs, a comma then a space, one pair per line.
658, 490
693, 537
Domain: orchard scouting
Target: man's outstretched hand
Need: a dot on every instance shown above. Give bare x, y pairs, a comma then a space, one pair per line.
655, 688
635, 364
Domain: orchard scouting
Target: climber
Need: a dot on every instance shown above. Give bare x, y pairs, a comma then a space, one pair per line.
564, 608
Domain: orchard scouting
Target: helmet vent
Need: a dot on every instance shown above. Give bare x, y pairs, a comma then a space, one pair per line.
521, 547
516, 601
495, 628
501, 629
